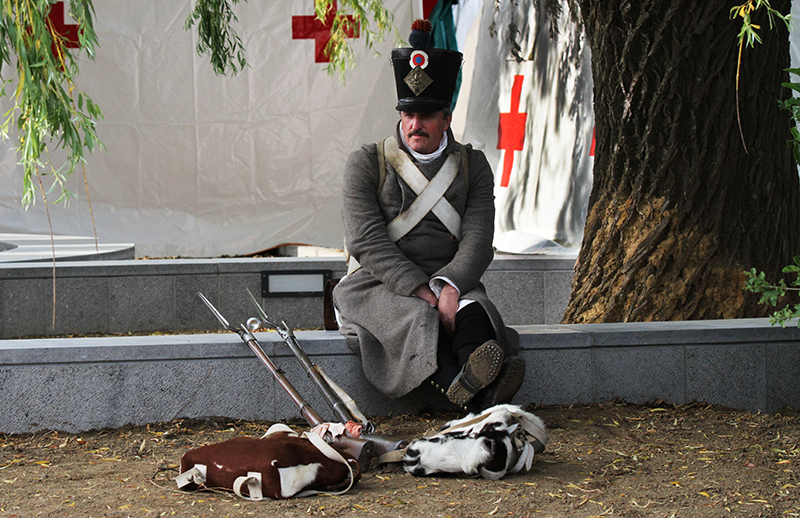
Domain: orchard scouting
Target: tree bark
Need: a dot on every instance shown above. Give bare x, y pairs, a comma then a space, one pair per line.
682, 203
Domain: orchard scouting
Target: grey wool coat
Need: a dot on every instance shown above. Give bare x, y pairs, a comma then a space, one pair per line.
394, 333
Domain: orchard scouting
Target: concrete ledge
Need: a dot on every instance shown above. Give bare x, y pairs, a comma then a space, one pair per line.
76, 384
128, 296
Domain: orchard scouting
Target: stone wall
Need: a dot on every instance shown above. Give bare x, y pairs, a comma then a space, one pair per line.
146, 296
77, 384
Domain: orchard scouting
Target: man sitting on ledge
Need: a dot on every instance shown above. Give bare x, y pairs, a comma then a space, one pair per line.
418, 217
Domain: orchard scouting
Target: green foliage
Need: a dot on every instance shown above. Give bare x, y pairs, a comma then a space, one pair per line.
216, 36
748, 32
338, 49
771, 293
47, 107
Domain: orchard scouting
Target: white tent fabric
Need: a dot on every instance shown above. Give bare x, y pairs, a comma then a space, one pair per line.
205, 165
545, 96
201, 165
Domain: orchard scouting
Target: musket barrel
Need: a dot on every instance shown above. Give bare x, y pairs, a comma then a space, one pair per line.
331, 398
308, 412
365, 447
362, 449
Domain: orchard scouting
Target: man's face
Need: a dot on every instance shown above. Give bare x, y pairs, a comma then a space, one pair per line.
424, 131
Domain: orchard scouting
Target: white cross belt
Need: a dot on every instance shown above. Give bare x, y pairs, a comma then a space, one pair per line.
430, 194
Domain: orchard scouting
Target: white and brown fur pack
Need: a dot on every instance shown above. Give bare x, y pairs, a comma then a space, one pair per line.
502, 439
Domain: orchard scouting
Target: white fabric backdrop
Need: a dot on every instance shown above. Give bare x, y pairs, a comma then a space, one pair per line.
205, 165
549, 185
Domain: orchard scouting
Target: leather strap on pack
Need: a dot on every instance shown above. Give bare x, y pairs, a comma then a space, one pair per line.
528, 426
253, 480
197, 475
391, 457
253, 483
332, 454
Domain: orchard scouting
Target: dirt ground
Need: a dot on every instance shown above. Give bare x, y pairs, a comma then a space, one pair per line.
609, 460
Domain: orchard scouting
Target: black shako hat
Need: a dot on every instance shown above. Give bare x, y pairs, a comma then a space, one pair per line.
425, 76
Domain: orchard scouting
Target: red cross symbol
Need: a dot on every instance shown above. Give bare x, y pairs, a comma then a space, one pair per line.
511, 131
67, 32
311, 27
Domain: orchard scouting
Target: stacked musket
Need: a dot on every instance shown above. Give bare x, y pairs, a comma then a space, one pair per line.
359, 439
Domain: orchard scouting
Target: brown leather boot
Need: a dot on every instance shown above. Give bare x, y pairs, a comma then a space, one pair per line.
508, 383
479, 372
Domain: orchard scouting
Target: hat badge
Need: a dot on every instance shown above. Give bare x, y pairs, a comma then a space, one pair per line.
418, 59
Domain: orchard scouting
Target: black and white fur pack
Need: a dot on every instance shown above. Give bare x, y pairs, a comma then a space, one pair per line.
502, 439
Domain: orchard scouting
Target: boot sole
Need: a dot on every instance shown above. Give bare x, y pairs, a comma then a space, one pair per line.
481, 370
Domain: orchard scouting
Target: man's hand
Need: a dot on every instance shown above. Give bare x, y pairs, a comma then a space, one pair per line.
425, 293
448, 306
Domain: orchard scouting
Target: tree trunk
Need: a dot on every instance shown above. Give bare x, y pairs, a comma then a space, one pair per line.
681, 202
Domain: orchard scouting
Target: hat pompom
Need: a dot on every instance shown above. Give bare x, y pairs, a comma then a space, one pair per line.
422, 25
420, 37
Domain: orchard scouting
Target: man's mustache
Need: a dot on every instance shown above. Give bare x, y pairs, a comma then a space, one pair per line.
418, 133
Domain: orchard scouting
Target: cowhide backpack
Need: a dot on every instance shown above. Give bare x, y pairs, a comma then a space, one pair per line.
280, 465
